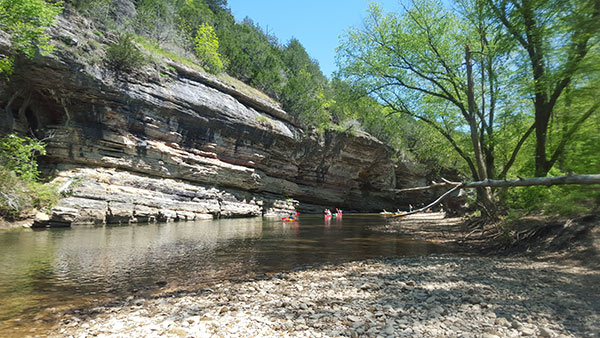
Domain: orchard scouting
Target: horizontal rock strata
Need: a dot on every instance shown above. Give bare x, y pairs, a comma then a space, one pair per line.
96, 196
171, 122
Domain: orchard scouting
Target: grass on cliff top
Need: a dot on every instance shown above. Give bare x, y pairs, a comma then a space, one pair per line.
156, 52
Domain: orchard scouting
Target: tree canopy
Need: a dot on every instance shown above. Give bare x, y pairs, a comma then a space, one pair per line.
470, 74
26, 21
486, 75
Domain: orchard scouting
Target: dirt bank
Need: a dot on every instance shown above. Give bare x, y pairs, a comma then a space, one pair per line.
572, 241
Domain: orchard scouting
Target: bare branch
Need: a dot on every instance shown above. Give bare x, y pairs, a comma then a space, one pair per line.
432, 204
434, 185
513, 156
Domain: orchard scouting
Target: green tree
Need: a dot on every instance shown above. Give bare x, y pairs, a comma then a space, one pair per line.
253, 57
303, 92
190, 15
156, 19
207, 48
26, 21
555, 43
421, 63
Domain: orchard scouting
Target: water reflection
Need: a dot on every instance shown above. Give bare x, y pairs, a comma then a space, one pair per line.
72, 267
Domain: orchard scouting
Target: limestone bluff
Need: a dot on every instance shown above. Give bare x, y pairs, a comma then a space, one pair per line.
170, 143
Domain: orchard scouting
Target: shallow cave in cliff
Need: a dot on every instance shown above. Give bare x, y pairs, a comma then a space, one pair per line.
30, 112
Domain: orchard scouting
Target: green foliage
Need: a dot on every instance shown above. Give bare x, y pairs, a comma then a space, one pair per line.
304, 93
123, 55
18, 155
561, 200
156, 19
19, 190
43, 195
6, 65
206, 46
26, 21
191, 15
302, 99
553, 53
253, 56
18, 197
412, 63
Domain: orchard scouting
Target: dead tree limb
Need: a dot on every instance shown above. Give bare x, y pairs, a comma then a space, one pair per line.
434, 185
547, 181
521, 182
441, 198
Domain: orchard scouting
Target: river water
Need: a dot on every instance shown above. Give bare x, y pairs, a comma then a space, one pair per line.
45, 271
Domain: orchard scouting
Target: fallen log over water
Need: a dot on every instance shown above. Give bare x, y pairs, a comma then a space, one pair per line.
521, 182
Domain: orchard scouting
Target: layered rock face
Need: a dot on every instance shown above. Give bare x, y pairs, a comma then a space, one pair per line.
171, 143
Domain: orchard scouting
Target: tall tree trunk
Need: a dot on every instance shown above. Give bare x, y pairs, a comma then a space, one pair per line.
542, 118
472, 116
484, 199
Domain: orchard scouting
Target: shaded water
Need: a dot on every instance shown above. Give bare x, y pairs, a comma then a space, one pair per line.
41, 271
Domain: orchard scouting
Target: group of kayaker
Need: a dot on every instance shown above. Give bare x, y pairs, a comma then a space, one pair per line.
338, 212
327, 212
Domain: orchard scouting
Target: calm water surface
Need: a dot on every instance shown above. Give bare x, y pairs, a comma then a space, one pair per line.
42, 271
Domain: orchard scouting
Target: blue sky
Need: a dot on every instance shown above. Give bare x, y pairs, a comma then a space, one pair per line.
317, 24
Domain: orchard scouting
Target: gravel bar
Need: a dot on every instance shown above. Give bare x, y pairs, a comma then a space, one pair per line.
434, 296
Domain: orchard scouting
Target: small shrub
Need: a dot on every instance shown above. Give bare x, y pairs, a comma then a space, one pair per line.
19, 189
123, 55
13, 194
18, 155
6, 65
43, 196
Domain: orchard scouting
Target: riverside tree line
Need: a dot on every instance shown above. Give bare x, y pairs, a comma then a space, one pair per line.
487, 89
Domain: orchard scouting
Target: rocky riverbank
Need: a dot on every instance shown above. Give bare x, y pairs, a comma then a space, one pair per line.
445, 295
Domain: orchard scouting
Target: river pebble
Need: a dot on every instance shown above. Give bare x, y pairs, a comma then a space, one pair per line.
433, 296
